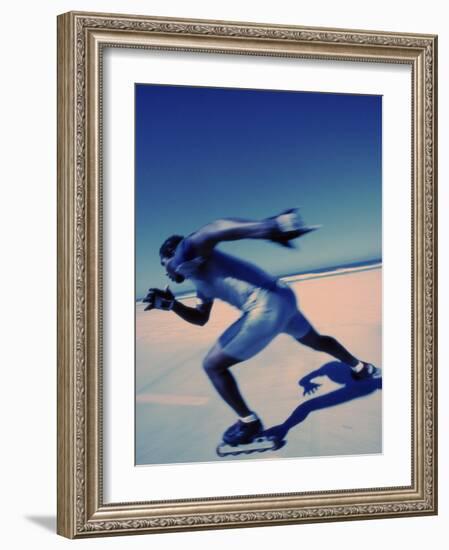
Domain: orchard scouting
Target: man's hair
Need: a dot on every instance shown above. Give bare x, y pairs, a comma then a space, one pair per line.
168, 247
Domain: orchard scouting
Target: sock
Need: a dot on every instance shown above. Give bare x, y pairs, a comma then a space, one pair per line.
250, 418
358, 367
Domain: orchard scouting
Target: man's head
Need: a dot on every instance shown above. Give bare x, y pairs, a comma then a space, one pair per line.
166, 253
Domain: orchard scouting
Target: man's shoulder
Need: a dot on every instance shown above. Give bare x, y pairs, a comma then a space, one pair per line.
185, 251
187, 261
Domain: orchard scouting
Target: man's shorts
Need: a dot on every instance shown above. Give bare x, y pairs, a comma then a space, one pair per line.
267, 313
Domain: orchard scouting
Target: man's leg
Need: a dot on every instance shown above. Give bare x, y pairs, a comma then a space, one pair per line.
217, 365
360, 370
246, 337
242, 340
329, 345
302, 331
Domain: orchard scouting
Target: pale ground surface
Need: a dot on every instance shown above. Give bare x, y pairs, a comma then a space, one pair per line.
180, 418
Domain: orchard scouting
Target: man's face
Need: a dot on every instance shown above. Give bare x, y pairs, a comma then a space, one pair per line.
171, 274
164, 260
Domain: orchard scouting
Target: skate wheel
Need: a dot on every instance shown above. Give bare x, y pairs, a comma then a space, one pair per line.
219, 451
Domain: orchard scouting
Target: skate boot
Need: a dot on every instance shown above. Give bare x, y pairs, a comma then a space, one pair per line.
244, 438
242, 432
368, 372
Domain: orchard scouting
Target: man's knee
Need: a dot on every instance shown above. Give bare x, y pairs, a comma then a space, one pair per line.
210, 365
216, 362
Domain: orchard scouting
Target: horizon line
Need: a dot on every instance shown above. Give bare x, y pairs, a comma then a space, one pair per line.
318, 273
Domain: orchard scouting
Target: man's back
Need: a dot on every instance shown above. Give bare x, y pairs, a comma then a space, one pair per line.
223, 276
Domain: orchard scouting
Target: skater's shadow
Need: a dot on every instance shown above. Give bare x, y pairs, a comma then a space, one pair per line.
337, 372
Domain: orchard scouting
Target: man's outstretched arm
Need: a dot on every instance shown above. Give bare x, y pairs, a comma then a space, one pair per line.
280, 229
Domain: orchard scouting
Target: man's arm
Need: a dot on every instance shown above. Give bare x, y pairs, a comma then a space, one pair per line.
198, 315
165, 300
280, 229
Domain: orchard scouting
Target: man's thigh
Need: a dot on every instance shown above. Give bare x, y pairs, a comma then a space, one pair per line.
250, 334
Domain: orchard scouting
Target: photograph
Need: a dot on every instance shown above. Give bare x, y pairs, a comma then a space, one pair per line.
258, 274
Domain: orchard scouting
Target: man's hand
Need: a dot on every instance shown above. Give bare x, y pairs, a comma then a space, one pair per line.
159, 299
288, 226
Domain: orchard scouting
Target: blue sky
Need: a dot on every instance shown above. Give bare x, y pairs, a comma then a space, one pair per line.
206, 153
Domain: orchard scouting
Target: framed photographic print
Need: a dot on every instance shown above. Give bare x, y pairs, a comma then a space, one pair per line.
246, 274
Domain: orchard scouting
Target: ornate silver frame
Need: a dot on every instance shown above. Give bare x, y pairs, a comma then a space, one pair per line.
81, 38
